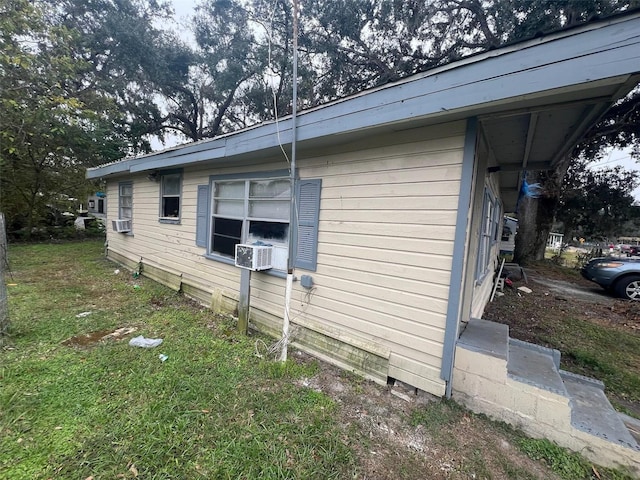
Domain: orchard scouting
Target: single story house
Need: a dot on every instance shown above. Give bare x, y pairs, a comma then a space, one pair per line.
554, 240
96, 205
399, 196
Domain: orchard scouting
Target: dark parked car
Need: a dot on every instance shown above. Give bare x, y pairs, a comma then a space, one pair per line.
633, 250
619, 275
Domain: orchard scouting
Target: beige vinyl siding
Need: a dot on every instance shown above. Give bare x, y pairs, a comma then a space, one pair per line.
387, 225
168, 245
386, 232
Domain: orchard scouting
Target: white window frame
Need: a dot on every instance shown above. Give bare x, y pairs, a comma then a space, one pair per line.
245, 204
171, 219
488, 235
125, 212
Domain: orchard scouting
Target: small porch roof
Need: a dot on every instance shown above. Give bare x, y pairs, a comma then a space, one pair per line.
534, 100
536, 138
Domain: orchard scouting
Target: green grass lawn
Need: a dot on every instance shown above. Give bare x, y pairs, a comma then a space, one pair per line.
600, 352
211, 410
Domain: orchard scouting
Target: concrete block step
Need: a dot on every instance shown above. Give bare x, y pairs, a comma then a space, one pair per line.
632, 424
592, 412
535, 365
552, 352
486, 337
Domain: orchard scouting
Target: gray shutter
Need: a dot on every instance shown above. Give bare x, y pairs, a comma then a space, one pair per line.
202, 215
308, 206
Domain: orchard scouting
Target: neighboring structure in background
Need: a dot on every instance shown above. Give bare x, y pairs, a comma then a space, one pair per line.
508, 236
97, 206
554, 241
629, 240
95, 210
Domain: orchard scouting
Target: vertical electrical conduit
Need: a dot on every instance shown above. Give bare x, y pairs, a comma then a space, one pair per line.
292, 177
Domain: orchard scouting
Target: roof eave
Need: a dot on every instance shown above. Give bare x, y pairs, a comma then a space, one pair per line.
505, 77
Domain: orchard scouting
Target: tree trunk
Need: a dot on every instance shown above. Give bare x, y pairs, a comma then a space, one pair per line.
534, 225
535, 216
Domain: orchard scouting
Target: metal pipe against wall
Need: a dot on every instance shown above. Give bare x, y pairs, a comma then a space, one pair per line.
293, 217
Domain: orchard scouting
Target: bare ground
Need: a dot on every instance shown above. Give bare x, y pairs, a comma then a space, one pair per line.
559, 291
449, 442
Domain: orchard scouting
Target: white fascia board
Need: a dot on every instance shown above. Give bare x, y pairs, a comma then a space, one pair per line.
566, 60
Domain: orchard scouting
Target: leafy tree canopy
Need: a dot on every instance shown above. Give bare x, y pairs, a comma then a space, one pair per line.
597, 203
72, 96
83, 83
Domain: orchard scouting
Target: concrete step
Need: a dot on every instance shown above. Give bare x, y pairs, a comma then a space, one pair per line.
536, 366
486, 337
632, 424
591, 411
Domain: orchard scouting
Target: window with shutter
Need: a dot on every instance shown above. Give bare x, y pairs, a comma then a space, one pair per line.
250, 210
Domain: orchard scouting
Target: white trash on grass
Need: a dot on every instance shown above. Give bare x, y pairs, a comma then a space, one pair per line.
140, 341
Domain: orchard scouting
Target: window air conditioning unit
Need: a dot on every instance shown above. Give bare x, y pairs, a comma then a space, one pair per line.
121, 225
254, 257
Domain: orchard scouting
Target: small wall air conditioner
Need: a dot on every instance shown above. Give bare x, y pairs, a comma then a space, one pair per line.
254, 257
121, 225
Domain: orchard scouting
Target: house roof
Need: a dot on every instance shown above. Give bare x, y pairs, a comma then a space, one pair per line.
534, 100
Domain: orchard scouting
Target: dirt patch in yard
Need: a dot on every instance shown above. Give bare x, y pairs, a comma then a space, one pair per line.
561, 290
86, 340
567, 290
407, 436
596, 303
